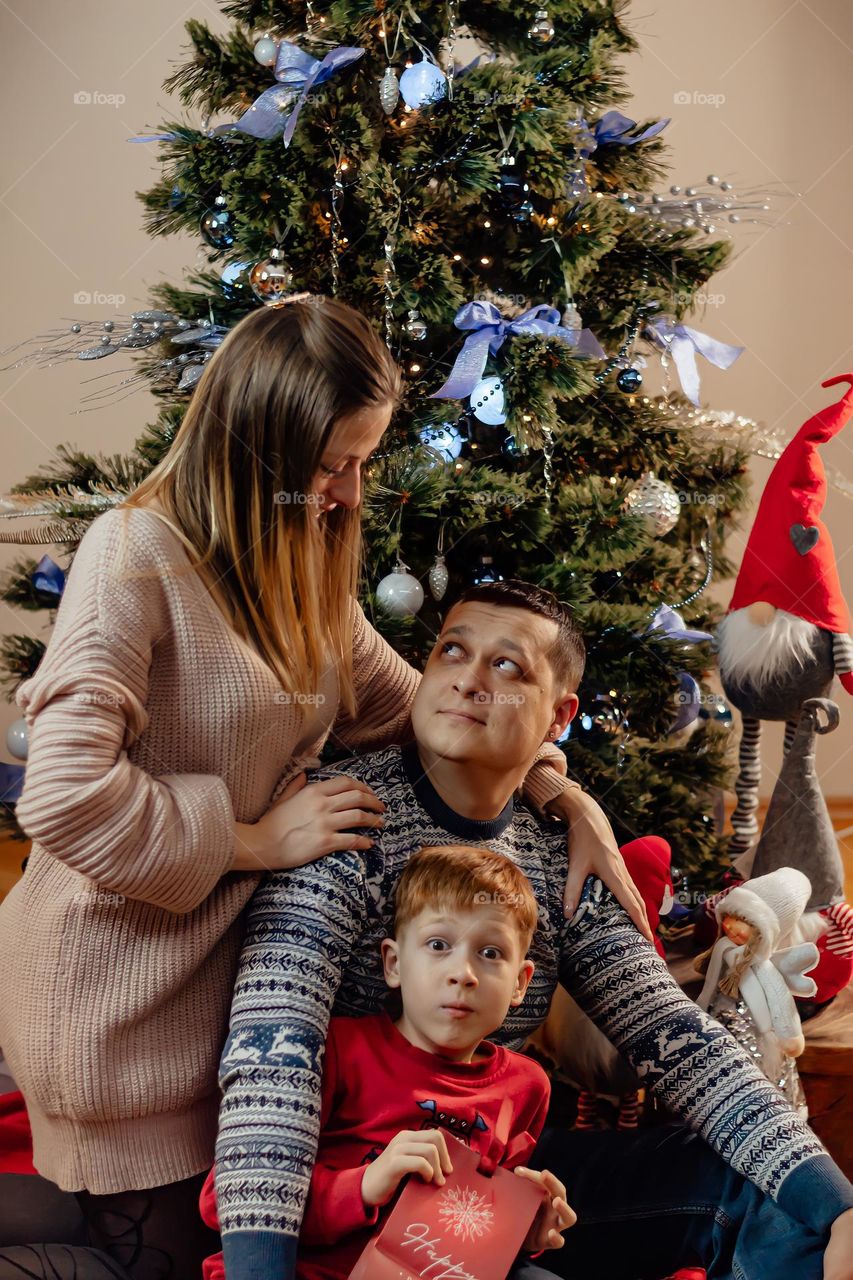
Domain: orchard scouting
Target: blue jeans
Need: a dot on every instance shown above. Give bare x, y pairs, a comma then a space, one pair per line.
659, 1198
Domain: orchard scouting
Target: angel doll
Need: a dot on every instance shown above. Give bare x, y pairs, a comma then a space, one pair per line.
760, 957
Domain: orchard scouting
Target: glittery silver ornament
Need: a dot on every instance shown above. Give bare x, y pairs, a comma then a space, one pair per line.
657, 502
389, 91
438, 578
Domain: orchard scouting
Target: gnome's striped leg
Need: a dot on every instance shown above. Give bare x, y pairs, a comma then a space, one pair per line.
744, 820
629, 1111
842, 657
587, 1117
790, 730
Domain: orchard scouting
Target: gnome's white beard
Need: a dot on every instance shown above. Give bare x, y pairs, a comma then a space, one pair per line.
759, 655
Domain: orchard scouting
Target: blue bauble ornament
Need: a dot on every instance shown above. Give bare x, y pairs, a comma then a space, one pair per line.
422, 84
216, 226
629, 381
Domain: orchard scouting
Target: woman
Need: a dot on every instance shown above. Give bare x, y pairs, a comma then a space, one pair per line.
207, 644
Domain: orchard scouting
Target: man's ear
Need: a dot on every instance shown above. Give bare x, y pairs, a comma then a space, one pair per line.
525, 973
564, 712
391, 962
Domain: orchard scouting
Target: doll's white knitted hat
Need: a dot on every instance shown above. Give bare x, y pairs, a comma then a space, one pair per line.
772, 903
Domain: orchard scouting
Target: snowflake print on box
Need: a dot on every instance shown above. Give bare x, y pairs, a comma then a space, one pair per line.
465, 1212
473, 1227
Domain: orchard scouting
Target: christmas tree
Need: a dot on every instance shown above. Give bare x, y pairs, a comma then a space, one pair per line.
497, 218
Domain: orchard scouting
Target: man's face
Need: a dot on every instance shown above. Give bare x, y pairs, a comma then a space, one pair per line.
458, 973
489, 693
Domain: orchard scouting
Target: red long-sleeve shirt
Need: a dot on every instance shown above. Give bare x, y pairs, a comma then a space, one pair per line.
376, 1083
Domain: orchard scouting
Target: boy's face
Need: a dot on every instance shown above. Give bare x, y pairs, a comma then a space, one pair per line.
488, 693
458, 972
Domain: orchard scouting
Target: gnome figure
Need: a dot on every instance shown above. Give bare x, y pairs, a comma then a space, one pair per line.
787, 630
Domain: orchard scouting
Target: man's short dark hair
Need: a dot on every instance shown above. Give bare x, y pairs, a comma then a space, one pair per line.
567, 655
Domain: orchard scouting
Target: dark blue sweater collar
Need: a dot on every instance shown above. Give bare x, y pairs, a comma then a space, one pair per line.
429, 799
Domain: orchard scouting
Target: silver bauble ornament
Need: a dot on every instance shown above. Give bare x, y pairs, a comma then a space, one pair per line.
541, 30
415, 327
272, 279
399, 593
266, 51
657, 502
16, 739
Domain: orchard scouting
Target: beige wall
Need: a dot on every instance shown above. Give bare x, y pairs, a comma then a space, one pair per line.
779, 73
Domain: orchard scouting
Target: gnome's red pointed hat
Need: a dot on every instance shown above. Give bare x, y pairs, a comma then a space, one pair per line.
789, 559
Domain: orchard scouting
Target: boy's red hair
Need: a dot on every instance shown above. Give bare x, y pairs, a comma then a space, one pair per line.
462, 877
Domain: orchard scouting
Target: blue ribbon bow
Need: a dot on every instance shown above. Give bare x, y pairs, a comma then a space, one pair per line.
682, 343
489, 330
671, 623
613, 127
48, 577
297, 73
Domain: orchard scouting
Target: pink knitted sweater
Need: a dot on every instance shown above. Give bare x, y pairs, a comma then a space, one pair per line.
152, 728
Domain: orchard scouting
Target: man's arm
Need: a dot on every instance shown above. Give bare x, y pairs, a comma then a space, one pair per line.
693, 1064
300, 931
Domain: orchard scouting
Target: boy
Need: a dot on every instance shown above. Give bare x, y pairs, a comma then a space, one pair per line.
464, 920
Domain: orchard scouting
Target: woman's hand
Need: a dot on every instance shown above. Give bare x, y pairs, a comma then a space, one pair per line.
309, 820
420, 1151
554, 1215
593, 851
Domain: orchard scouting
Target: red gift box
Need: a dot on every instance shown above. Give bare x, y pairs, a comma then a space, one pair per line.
470, 1229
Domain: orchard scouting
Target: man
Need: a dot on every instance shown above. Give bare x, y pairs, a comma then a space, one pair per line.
500, 681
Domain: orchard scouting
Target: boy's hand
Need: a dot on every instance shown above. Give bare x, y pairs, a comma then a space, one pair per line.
554, 1215
420, 1151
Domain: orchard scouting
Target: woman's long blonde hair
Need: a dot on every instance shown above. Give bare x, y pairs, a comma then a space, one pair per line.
236, 478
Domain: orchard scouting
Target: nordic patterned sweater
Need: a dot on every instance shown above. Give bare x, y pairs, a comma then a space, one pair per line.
312, 947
